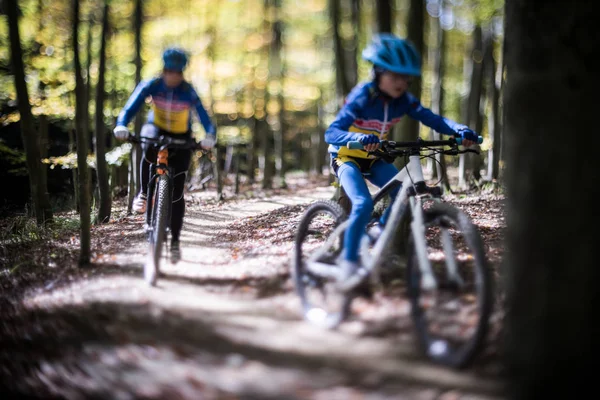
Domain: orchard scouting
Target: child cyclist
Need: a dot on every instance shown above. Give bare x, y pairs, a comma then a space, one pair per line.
370, 110
172, 100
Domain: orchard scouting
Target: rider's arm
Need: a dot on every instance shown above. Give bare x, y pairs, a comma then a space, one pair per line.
337, 134
209, 128
134, 103
432, 120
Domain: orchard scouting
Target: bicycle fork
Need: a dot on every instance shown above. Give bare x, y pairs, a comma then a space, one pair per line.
160, 168
418, 231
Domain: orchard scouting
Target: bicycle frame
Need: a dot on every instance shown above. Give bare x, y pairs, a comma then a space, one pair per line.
161, 167
414, 190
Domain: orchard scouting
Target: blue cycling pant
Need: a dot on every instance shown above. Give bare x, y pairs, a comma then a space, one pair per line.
352, 180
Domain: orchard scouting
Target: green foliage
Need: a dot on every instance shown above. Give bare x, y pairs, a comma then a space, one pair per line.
23, 229
115, 157
12, 161
228, 42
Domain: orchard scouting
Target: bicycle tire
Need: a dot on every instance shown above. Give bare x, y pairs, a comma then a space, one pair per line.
445, 351
303, 279
157, 237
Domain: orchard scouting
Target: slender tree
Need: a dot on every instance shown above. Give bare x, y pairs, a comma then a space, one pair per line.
39, 196
82, 145
437, 56
469, 163
383, 21
100, 129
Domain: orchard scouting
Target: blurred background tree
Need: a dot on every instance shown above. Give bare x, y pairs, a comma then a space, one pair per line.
273, 74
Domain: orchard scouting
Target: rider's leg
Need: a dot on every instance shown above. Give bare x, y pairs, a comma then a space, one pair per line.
149, 154
179, 160
356, 188
381, 173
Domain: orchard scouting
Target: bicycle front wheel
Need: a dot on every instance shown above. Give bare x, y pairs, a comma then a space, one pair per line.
157, 236
315, 248
451, 320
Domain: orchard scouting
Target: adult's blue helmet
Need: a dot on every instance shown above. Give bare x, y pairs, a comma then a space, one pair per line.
175, 59
391, 53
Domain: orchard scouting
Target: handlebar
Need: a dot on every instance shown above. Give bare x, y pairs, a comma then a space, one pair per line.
168, 141
390, 149
420, 143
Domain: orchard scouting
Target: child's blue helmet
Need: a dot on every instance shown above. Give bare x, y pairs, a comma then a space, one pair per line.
174, 59
391, 53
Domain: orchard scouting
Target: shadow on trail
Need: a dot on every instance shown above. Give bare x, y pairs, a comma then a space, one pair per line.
101, 349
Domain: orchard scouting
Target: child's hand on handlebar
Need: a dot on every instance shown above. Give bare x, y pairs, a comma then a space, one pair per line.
208, 142
469, 137
121, 132
369, 142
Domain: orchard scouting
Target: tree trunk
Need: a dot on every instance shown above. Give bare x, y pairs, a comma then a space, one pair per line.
351, 53
101, 165
277, 72
437, 54
468, 164
136, 150
493, 96
552, 262
43, 146
341, 83
82, 145
39, 195
264, 129
408, 129
384, 16
251, 154
211, 53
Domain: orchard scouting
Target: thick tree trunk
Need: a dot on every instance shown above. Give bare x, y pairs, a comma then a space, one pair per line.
552, 261
101, 165
39, 196
82, 146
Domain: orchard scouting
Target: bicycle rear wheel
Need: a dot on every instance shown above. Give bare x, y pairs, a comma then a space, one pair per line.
452, 320
158, 232
322, 304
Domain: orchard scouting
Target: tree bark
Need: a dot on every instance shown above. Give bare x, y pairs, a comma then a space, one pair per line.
82, 146
39, 195
136, 151
551, 266
408, 129
438, 53
492, 94
101, 165
277, 72
384, 16
469, 163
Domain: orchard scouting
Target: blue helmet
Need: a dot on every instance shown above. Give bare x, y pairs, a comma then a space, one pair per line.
175, 59
389, 52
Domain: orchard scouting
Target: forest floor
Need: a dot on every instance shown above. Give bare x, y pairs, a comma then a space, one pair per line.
224, 322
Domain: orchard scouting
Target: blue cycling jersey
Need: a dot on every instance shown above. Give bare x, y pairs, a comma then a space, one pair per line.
170, 106
368, 111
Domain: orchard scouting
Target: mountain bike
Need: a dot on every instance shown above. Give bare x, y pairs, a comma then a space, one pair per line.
448, 279
160, 198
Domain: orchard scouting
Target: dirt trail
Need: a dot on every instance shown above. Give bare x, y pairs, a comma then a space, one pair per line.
223, 323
